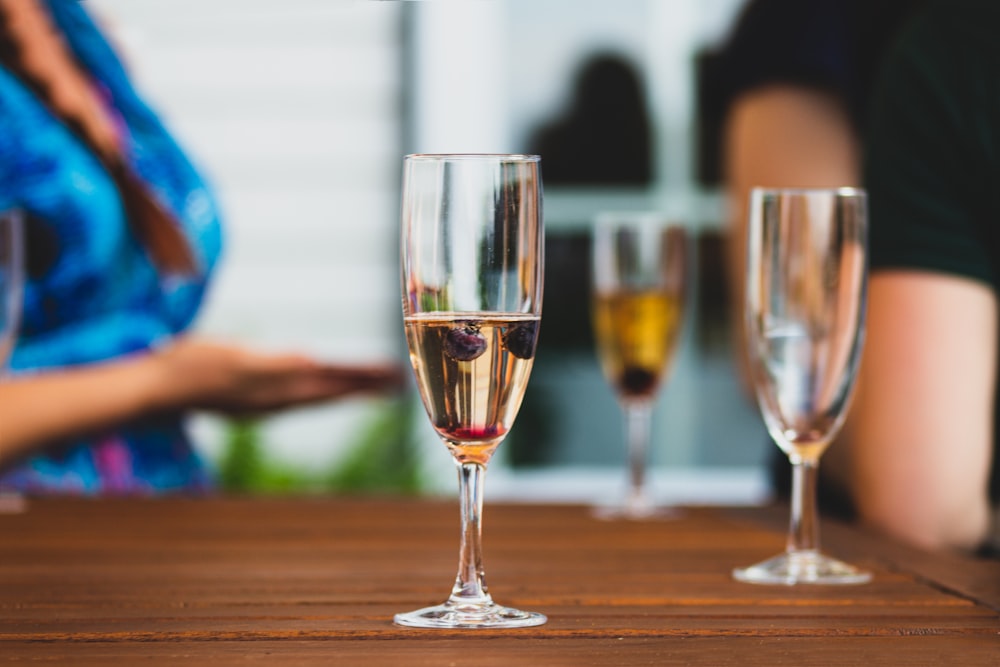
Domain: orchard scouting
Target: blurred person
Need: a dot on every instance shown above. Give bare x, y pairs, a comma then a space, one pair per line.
899, 103
795, 81
122, 237
922, 447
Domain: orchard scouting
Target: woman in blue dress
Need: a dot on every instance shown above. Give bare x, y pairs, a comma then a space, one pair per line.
122, 237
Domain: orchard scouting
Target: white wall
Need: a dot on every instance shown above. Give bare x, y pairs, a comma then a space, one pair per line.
293, 110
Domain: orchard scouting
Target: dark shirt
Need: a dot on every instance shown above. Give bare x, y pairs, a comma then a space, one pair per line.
933, 159
830, 45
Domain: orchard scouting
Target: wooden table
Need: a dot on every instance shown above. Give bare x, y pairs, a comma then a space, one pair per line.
316, 582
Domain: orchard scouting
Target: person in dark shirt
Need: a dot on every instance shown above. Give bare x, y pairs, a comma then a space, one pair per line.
793, 85
829, 94
922, 446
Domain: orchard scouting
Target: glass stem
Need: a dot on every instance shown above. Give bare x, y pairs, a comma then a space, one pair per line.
803, 530
638, 419
470, 584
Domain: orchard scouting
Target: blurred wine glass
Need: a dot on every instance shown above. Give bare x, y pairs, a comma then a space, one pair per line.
806, 292
639, 281
11, 287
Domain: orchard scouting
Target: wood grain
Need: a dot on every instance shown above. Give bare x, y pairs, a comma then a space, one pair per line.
304, 580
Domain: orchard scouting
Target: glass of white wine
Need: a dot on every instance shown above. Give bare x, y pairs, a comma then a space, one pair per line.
806, 290
639, 275
11, 288
472, 266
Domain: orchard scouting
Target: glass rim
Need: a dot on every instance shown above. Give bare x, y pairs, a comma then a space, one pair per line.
844, 191
502, 157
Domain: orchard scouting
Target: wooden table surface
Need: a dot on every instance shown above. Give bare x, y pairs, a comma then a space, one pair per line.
316, 581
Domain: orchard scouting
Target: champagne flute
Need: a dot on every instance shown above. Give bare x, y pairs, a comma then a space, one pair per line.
11, 287
637, 306
806, 291
472, 259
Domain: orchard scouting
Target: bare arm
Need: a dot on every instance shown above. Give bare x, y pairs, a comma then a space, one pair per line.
920, 433
53, 405
188, 374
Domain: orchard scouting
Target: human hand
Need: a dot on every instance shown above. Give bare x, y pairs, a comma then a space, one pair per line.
199, 374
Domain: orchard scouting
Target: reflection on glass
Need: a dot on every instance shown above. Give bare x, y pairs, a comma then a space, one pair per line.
805, 298
472, 301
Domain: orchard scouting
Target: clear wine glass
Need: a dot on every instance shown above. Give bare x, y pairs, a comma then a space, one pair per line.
11, 287
472, 260
637, 306
806, 291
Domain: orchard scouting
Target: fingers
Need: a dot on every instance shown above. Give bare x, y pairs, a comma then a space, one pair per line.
337, 378
236, 380
368, 378
277, 384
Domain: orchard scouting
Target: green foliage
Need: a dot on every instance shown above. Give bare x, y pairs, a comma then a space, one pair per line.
243, 468
384, 460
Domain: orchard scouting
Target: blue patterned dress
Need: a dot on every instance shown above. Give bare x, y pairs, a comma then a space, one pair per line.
92, 294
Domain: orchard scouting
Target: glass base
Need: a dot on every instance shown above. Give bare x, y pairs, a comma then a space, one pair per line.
802, 567
454, 615
627, 512
636, 507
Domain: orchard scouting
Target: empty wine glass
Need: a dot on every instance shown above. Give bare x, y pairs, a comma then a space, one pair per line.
11, 285
639, 279
472, 255
805, 308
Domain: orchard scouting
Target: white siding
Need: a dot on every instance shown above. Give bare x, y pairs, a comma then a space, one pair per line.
292, 110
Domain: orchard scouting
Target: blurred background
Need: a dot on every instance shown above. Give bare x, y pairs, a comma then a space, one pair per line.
299, 111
